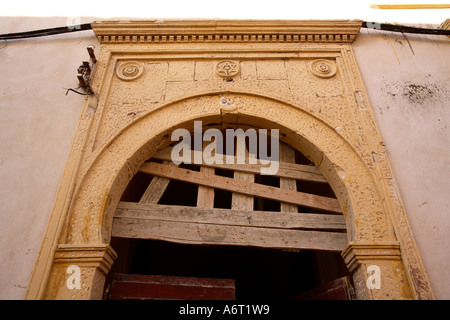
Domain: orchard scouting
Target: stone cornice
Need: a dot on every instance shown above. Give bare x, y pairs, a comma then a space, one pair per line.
360, 251
294, 31
101, 256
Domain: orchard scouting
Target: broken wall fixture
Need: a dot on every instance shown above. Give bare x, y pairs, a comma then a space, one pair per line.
300, 77
86, 71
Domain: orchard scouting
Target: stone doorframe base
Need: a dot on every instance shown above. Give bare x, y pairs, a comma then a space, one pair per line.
298, 76
375, 265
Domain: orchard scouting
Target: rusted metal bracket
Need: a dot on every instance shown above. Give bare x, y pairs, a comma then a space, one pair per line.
85, 71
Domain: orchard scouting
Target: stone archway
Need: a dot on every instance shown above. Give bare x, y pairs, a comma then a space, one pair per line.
91, 216
111, 145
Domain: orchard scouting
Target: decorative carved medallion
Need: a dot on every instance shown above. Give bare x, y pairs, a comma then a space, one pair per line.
323, 68
227, 68
130, 70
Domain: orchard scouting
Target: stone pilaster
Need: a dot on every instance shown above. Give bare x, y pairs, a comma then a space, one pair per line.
377, 270
79, 272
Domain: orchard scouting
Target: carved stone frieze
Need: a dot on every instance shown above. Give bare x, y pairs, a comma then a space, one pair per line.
332, 31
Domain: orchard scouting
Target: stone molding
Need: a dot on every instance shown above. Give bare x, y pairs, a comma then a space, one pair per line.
357, 252
100, 256
378, 270
93, 262
157, 31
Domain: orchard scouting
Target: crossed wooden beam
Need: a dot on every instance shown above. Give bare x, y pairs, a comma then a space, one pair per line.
205, 224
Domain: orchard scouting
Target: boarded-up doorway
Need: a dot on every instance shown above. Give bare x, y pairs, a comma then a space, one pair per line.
274, 236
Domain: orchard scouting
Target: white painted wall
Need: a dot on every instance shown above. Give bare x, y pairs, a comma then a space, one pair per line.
407, 80
37, 125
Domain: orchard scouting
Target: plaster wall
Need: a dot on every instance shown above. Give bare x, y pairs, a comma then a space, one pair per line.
407, 78
37, 124
407, 83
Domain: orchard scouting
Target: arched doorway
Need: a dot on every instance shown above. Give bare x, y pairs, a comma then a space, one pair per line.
231, 235
88, 230
153, 77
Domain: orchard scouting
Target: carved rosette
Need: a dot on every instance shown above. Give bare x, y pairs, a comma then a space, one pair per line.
323, 68
130, 70
227, 69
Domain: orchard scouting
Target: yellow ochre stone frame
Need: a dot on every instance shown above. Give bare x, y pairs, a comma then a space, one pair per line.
300, 77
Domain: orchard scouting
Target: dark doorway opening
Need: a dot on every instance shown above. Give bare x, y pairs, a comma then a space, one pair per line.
259, 273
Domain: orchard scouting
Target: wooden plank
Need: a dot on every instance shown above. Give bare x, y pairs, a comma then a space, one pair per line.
241, 201
195, 233
156, 188
338, 289
263, 219
289, 170
205, 196
252, 189
155, 287
166, 154
287, 154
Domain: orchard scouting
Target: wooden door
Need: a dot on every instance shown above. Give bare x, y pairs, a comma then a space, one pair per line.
339, 289
152, 287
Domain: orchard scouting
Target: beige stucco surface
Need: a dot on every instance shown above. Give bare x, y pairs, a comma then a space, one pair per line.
38, 122
407, 78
